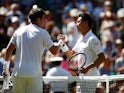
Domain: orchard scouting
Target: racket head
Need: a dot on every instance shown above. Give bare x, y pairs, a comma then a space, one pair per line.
77, 61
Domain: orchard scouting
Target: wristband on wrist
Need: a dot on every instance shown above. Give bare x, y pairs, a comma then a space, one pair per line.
64, 47
6, 66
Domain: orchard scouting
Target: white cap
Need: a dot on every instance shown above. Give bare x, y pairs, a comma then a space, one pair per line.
54, 59
74, 12
83, 7
120, 13
14, 19
14, 5
106, 3
118, 41
3, 11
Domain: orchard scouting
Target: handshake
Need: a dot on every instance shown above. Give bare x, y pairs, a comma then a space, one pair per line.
61, 42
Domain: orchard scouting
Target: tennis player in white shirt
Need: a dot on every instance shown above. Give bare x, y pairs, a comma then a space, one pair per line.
89, 44
30, 42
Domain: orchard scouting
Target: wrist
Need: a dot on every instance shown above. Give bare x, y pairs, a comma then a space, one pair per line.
6, 65
63, 46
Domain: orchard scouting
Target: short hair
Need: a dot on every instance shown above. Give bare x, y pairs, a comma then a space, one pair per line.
87, 17
36, 13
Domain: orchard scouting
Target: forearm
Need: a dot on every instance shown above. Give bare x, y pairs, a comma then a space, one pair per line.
97, 62
65, 49
8, 52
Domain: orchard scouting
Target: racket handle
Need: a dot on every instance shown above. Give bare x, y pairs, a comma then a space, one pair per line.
64, 47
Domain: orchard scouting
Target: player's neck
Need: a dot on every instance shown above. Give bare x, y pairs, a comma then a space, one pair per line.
84, 32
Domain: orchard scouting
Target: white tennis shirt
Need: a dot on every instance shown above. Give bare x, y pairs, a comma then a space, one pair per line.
90, 45
30, 42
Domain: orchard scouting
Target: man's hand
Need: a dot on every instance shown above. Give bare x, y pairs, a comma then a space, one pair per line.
5, 73
84, 70
60, 36
6, 68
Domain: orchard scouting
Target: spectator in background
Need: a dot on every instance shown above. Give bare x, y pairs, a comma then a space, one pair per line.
119, 63
50, 22
15, 11
46, 64
4, 39
98, 9
110, 32
108, 48
83, 8
120, 16
72, 4
26, 5
121, 89
72, 31
57, 70
116, 54
14, 26
88, 4
107, 15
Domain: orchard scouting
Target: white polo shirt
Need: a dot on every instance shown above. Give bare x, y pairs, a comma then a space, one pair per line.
30, 42
90, 45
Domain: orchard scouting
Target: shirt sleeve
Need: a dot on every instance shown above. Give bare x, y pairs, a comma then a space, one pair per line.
47, 40
96, 45
13, 38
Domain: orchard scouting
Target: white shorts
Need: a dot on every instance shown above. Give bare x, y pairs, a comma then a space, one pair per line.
27, 84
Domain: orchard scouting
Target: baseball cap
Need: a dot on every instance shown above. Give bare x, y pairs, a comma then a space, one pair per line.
3, 11
54, 59
120, 13
118, 41
14, 19
106, 3
74, 12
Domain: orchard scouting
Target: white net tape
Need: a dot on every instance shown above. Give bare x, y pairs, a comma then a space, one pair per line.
64, 84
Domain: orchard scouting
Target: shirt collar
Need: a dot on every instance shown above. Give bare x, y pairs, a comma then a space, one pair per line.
88, 34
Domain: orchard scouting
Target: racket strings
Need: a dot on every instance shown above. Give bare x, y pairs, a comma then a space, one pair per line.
77, 61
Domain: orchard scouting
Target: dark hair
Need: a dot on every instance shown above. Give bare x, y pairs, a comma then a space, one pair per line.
87, 17
36, 13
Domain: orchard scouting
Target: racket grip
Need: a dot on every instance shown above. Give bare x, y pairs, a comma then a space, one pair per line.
64, 47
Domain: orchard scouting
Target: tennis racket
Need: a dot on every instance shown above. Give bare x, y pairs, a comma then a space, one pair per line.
77, 61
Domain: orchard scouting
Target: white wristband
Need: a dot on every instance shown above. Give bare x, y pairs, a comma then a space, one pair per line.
64, 47
6, 66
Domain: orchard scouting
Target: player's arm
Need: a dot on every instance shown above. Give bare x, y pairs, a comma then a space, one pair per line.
9, 51
64, 47
7, 57
54, 49
96, 63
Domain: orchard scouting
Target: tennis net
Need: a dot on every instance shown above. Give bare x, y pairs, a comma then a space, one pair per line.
77, 84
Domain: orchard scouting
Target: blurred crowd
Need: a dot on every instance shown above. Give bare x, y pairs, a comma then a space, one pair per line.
61, 16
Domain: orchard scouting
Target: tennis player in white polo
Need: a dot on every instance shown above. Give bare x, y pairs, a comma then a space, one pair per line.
90, 45
30, 42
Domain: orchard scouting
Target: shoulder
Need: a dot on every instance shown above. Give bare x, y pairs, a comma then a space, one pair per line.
93, 37
51, 71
